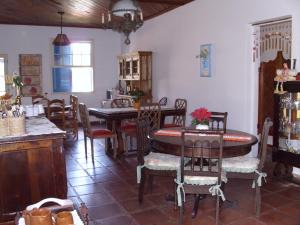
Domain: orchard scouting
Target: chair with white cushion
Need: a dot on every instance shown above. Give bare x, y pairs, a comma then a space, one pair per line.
201, 175
151, 163
251, 168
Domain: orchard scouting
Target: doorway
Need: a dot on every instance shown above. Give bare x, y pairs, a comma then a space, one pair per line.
272, 47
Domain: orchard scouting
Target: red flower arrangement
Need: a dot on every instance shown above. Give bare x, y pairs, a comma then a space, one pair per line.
201, 116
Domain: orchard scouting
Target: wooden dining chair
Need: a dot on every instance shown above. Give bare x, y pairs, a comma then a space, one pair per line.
72, 117
56, 112
151, 163
218, 121
203, 177
152, 111
92, 134
128, 126
251, 168
39, 99
178, 120
121, 103
163, 101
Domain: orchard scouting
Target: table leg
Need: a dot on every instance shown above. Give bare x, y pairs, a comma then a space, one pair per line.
109, 125
119, 137
196, 204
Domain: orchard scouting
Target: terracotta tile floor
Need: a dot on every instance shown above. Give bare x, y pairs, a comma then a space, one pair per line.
109, 190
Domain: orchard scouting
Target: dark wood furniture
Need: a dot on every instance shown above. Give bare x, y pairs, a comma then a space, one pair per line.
117, 115
151, 164
267, 73
135, 70
218, 121
286, 159
56, 112
32, 167
178, 120
172, 144
121, 103
71, 119
163, 101
251, 168
201, 174
92, 134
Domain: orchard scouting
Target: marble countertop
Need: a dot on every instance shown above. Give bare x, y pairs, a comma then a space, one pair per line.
36, 126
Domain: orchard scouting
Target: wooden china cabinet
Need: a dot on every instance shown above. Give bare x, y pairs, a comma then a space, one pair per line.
135, 71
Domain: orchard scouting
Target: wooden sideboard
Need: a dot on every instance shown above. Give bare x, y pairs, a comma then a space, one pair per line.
32, 167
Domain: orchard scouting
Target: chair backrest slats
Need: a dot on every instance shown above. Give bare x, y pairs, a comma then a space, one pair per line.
163, 101
84, 117
121, 103
143, 141
151, 111
218, 121
202, 144
262, 151
180, 119
74, 105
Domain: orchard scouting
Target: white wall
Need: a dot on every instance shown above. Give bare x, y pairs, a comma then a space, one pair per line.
175, 40
15, 40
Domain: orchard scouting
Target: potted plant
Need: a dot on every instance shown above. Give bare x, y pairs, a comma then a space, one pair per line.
201, 118
136, 96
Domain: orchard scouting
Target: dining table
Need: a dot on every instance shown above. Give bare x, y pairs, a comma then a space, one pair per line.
116, 115
235, 143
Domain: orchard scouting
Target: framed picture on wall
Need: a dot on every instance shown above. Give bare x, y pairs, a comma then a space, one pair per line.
205, 60
31, 73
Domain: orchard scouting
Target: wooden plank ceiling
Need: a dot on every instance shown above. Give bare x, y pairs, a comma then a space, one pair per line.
78, 13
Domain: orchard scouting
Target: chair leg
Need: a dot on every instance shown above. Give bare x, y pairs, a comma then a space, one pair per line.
106, 145
130, 143
115, 141
196, 205
181, 209
175, 196
92, 149
124, 137
257, 200
217, 209
85, 146
141, 186
150, 183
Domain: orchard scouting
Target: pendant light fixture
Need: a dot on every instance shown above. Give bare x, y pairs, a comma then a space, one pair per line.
125, 16
61, 39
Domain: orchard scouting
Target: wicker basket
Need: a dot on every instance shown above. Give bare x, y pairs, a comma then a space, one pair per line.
16, 126
4, 130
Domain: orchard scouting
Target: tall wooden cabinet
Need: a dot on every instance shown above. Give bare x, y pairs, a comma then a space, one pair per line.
135, 71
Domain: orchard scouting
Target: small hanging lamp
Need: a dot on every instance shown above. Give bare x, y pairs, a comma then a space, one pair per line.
61, 39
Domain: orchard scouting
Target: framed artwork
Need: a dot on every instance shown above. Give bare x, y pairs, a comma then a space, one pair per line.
205, 60
31, 73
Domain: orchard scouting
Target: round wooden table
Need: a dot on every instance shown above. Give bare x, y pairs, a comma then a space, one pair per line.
172, 144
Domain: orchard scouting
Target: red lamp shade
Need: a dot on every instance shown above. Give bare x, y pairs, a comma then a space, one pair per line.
61, 40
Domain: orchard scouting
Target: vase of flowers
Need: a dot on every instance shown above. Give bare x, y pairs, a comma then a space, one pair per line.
201, 118
136, 96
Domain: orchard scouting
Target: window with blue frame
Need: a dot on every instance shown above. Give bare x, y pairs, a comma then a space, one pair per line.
73, 68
